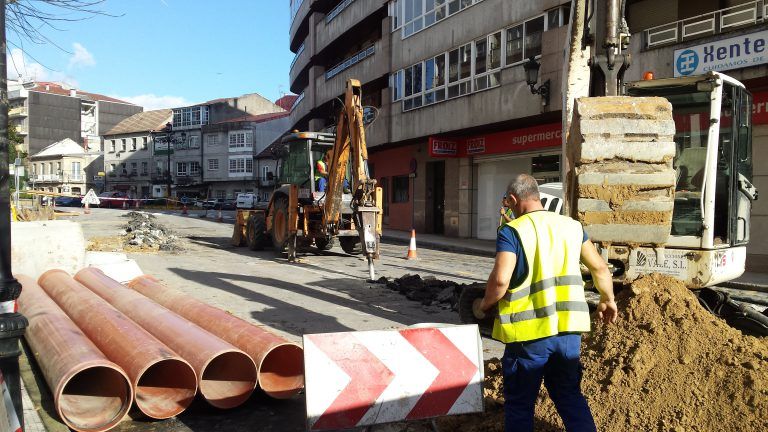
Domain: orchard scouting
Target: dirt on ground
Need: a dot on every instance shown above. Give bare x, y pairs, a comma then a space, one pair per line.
666, 365
142, 233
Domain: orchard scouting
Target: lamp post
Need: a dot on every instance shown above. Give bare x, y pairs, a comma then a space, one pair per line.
170, 139
532, 77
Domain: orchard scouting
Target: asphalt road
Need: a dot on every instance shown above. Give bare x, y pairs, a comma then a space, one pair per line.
323, 292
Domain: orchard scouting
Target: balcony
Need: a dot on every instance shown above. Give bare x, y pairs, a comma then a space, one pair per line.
299, 23
265, 182
712, 23
160, 177
299, 110
46, 178
17, 112
366, 66
346, 15
299, 74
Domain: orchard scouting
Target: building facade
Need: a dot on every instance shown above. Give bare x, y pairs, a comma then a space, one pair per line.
47, 112
455, 116
129, 160
64, 167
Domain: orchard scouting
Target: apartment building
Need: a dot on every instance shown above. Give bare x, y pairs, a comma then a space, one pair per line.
230, 147
129, 160
47, 112
455, 115
64, 167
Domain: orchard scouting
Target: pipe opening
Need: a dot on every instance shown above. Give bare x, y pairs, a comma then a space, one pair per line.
96, 398
166, 388
281, 374
228, 380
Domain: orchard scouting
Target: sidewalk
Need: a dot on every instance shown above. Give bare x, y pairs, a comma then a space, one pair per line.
751, 281
453, 244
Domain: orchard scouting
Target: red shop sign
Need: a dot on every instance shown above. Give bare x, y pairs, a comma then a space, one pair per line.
519, 140
439, 147
760, 108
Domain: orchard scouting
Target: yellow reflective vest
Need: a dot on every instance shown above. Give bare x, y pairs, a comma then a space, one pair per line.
551, 298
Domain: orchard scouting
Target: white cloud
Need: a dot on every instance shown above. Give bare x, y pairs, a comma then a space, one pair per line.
21, 65
151, 101
81, 57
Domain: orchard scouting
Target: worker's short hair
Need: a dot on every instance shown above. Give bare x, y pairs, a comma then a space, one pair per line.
524, 187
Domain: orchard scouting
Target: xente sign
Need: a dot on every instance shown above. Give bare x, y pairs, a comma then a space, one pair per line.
727, 54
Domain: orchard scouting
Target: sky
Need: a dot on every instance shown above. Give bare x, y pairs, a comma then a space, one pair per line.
165, 53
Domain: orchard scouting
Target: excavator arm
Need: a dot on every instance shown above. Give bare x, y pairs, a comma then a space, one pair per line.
349, 150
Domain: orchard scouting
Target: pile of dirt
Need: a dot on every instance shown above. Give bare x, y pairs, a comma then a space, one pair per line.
144, 231
428, 291
666, 365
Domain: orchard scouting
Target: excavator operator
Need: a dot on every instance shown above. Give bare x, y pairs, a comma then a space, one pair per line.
321, 172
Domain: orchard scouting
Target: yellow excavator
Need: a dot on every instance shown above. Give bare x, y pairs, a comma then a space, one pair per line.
304, 212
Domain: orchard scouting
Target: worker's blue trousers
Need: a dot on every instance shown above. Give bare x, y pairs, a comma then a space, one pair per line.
555, 360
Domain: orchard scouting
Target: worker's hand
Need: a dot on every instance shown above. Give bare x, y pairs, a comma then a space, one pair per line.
502, 211
607, 311
477, 309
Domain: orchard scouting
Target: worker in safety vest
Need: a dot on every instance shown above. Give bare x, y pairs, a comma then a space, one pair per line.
321, 172
507, 215
537, 296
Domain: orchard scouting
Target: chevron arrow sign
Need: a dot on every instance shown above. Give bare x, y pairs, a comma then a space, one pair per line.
365, 378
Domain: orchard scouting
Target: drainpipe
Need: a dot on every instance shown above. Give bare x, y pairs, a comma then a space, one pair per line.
12, 325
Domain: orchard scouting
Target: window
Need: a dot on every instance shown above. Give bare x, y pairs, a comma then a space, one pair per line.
459, 71
144, 143
221, 194
159, 167
133, 144
240, 140
415, 15
112, 168
515, 44
182, 168
112, 146
396, 12
194, 168
397, 85
144, 168
533, 30
192, 116
123, 145
123, 169
212, 140
194, 142
241, 166
488, 62
400, 189
213, 164
413, 87
134, 168
76, 173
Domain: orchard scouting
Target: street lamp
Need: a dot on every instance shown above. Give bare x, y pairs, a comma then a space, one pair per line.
171, 139
532, 77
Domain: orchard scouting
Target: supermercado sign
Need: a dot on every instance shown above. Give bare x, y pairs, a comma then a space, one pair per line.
518, 140
727, 54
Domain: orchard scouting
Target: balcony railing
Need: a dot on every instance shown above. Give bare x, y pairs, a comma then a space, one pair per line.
46, 178
17, 112
720, 21
298, 54
297, 101
351, 61
295, 6
337, 10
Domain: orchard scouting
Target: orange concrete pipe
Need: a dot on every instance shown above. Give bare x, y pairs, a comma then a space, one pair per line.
280, 363
163, 383
226, 376
90, 393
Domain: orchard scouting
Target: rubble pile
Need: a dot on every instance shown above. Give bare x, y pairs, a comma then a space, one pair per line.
666, 365
428, 291
143, 231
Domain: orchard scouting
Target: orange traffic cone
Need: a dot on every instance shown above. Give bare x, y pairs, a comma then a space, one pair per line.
125, 204
138, 202
87, 208
412, 247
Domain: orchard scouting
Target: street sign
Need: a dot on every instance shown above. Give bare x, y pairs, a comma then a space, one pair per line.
364, 378
90, 198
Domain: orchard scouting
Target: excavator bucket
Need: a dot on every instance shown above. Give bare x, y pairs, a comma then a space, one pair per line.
621, 180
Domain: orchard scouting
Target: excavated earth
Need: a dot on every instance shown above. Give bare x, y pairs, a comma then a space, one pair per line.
666, 365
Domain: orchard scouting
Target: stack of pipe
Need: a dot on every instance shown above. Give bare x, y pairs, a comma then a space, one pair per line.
100, 343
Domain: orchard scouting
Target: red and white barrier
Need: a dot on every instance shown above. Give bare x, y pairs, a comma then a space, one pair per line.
364, 378
8, 419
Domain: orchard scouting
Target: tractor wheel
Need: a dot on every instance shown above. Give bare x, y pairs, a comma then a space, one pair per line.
325, 244
351, 245
280, 225
255, 232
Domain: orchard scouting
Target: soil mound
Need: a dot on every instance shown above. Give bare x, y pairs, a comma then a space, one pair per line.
666, 365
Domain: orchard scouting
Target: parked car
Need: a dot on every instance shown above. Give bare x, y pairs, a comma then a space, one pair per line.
211, 203
112, 199
69, 201
246, 200
225, 205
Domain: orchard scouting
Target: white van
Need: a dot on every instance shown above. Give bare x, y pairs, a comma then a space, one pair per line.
246, 200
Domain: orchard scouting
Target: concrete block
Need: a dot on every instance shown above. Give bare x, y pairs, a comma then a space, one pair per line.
37, 247
631, 234
624, 107
598, 205
123, 271
596, 150
622, 217
659, 179
639, 129
93, 258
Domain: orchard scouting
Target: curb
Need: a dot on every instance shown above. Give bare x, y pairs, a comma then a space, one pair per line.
440, 246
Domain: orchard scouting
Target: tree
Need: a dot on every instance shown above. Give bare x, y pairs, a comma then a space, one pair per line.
14, 140
28, 19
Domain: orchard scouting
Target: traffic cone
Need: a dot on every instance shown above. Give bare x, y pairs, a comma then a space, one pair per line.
138, 201
87, 208
125, 204
219, 217
412, 247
